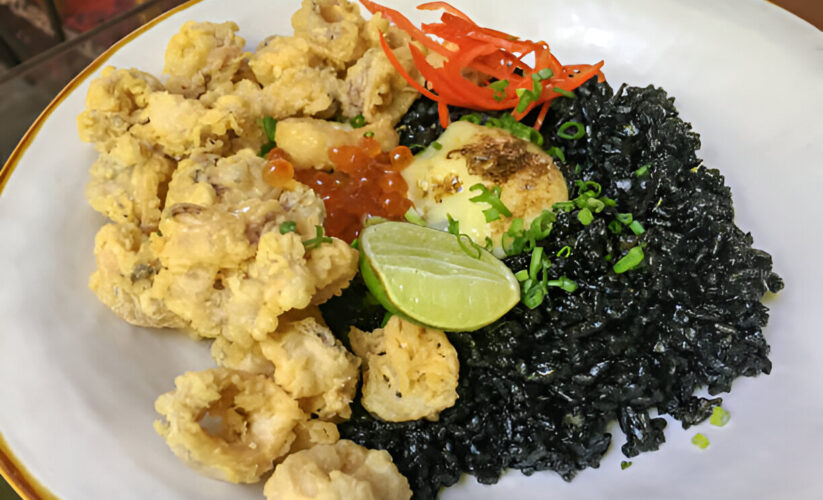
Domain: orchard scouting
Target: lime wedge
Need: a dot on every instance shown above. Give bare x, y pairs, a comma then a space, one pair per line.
425, 275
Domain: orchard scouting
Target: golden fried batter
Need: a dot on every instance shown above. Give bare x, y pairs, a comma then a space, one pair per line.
341, 471
409, 371
227, 424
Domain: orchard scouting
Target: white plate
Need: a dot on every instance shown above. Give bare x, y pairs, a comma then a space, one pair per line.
77, 384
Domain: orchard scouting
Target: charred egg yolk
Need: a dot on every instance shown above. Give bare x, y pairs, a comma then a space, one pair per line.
440, 177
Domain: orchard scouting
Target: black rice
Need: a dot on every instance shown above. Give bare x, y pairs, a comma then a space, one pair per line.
539, 387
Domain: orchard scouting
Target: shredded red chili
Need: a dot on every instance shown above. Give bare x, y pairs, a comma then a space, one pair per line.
497, 55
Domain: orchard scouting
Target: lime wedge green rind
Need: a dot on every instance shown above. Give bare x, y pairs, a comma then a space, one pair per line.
426, 276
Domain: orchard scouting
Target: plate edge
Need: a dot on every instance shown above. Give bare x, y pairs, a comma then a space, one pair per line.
11, 468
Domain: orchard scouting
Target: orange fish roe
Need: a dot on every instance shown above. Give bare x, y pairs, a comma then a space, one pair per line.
365, 183
278, 171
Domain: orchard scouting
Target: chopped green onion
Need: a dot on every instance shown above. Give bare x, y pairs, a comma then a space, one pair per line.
532, 294
499, 88
565, 252
494, 122
269, 127
436, 145
585, 216
637, 228
454, 226
624, 219
536, 262
386, 318
521, 275
368, 133
720, 417
489, 244
588, 187
318, 240
563, 283
414, 217
471, 118
700, 441
358, 121
517, 236
288, 227
356, 244
615, 227
640, 172
579, 132
595, 205
564, 93
632, 259
469, 246
563, 205
541, 225
492, 197
625, 465
545, 73
556, 153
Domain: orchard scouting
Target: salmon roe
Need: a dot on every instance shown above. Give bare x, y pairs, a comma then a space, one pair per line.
278, 171
366, 182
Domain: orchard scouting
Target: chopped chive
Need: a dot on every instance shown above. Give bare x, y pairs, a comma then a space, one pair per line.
521, 275
700, 441
469, 246
632, 259
720, 417
615, 227
499, 88
492, 197
269, 127
585, 216
368, 133
563, 205
318, 240
624, 219
536, 262
436, 145
358, 121
288, 227
565, 252
637, 228
563, 283
472, 118
454, 226
414, 217
580, 130
532, 294
556, 153
545, 73
640, 172
564, 93
625, 464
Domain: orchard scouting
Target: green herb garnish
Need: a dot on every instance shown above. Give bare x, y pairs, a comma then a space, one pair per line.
585, 216
700, 441
288, 227
436, 145
720, 417
318, 240
563, 283
637, 228
492, 197
468, 245
454, 226
640, 172
625, 465
632, 259
368, 133
269, 126
556, 153
499, 88
564, 93
414, 217
579, 132
564, 252
358, 121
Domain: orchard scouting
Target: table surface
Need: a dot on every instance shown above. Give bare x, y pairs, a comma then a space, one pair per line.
28, 88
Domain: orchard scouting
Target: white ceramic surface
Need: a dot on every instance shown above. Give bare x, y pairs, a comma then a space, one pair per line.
77, 384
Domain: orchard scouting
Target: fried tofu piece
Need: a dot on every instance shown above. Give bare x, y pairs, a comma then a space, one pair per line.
409, 371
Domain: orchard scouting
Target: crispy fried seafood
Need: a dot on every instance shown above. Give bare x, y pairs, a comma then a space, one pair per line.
409, 372
198, 239
341, 471
227, 424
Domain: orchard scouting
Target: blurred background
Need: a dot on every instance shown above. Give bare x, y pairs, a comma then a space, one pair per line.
45, 43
